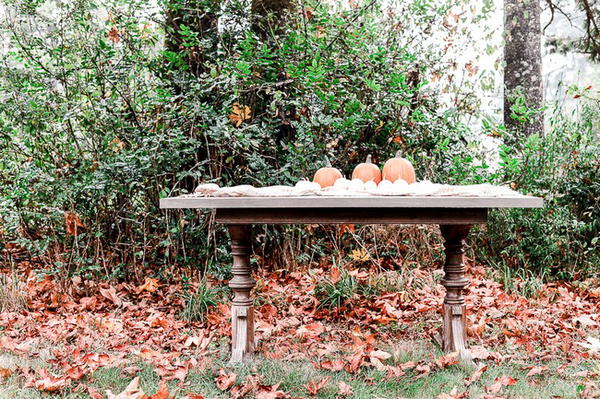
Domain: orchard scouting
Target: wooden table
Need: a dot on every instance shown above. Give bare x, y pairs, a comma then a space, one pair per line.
455, 215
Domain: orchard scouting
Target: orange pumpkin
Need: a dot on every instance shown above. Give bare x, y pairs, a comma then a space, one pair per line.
327, 176
399, 168
367, 171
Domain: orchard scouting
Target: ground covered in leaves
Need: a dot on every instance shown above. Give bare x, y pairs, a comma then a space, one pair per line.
83, 339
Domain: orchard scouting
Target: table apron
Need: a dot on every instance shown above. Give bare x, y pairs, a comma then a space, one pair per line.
352, 215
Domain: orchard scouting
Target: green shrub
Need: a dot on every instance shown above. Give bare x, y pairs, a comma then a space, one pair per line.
199, 302
563, 167
99, 119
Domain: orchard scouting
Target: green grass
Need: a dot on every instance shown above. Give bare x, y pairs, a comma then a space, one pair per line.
293, 376
335, 294
199, 302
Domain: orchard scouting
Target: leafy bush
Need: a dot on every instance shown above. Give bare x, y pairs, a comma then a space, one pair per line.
563, 167
99, 120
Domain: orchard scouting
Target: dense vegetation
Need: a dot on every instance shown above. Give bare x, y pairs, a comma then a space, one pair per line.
99, 119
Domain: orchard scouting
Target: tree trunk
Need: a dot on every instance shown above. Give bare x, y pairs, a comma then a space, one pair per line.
523, 84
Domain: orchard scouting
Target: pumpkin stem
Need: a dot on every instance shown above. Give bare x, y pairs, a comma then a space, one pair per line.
368, 159
399, 154
327, 162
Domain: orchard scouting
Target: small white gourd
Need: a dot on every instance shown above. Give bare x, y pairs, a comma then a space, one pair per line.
314, 186
304, 184
341, 184
385, 185
400, 183
370, 186
356, 185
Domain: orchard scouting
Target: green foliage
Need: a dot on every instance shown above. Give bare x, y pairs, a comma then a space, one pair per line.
333, 293
199, 302
563, 167
100, 120
521, 281
520, 111
106, 109
84, 133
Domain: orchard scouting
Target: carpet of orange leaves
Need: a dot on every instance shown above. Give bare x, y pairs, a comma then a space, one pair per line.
141, 321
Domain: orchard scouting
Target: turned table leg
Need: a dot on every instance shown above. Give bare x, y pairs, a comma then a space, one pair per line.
454, 331
242, 313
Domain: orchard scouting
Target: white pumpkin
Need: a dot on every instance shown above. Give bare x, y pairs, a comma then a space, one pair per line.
370, 186
400, 183
385, 185
341, 184
307, 185
356, 185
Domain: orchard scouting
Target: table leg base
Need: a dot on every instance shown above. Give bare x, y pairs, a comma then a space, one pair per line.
242, 334
453, 333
